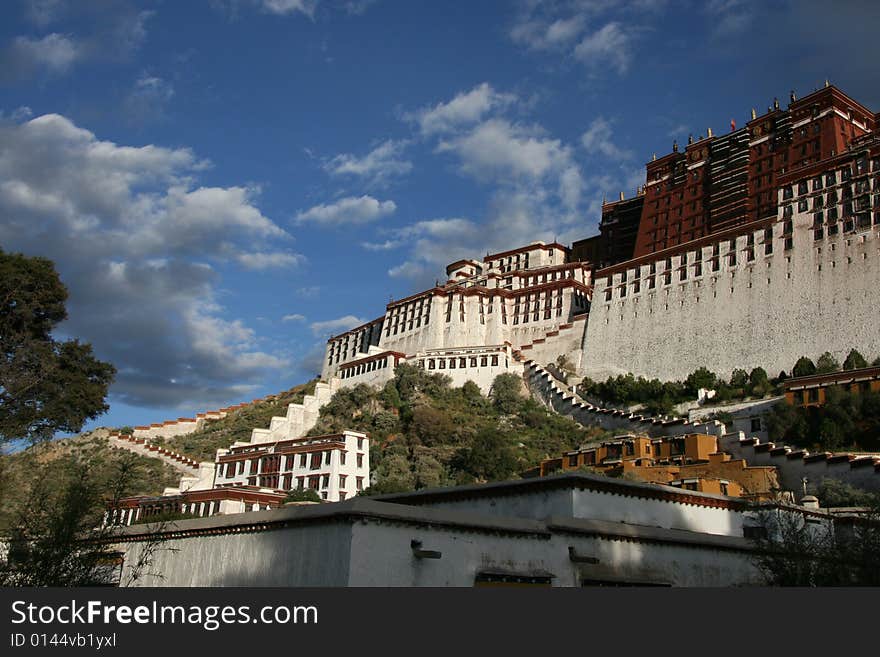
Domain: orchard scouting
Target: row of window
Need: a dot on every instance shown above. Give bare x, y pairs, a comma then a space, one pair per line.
314, 461
461, 362
363, 368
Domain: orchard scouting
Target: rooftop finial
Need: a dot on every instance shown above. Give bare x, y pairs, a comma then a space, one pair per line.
776, 102
622, 196
674, 146
653, 157
709, 132
690, 139
827, 83
792, 96
754, 114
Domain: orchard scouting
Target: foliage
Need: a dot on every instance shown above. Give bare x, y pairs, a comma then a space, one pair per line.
854, 361
55, 522
202, 445
836, 493
46, 386
847, 420
827, 364
425, 433
803, 367
700, 378
302, 495
506, 392
795, 552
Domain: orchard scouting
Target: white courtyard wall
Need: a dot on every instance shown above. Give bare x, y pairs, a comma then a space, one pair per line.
818, 296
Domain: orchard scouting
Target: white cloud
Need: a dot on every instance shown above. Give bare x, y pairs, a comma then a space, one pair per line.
387, 245
349, 210
273, 260
597, 138
309, 292
54, 53
465, 109
498, 149
334, 326
383, 162
296, 317
142, 282
608, 46
148, 98
283, 7
548, 35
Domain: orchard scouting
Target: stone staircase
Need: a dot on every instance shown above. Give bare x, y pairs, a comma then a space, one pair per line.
183, 464
300, 418
557, 396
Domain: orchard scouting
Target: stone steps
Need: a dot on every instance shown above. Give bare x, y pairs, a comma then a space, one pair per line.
183, 464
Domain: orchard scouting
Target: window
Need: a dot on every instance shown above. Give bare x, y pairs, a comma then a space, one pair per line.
341, 458
360, 460
572, 461
327, 456
316, 461
756, 424
359, 481
342, 481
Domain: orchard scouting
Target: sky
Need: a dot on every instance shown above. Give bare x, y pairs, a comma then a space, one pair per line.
223, 184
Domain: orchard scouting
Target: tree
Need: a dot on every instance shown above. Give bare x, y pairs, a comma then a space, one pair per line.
827, 364
46, 386
842, 552
739, 379
701, 378
506, 393
759, 384
302, 495
803, 367
854, 361
489, 458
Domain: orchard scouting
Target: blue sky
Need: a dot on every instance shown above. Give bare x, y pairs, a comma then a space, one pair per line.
223, 184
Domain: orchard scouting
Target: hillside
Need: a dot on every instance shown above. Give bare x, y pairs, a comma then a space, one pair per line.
39, 474
202, 445
425, 433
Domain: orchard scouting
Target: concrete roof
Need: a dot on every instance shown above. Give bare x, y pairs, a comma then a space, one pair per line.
568, 480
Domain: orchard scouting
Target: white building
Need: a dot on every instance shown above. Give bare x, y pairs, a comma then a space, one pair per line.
529, 299
565, 530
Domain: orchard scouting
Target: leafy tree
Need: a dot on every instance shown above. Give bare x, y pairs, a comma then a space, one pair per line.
854, 361
827, 364
490, 458
302, 495
506, 392
701, 378
46, 386
759, 384
793, 552
803, 367
836, 493
739, 379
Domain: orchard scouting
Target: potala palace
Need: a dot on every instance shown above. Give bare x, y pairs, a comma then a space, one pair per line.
747, 249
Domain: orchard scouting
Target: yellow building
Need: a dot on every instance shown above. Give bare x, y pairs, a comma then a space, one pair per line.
810, 390
690, 461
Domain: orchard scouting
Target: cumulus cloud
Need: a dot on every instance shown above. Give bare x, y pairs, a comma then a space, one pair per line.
465, 109
295, 317
282, 7
548, 35
349, 210
608, 46
497, 148
387, 245
273, 260
54, 54
334, 326
148, 98
376, 167
136, 242
598, 139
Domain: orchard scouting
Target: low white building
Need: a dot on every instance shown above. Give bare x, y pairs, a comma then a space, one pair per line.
566, 530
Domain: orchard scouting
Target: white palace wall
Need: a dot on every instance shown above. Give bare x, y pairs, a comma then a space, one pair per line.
806, 297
